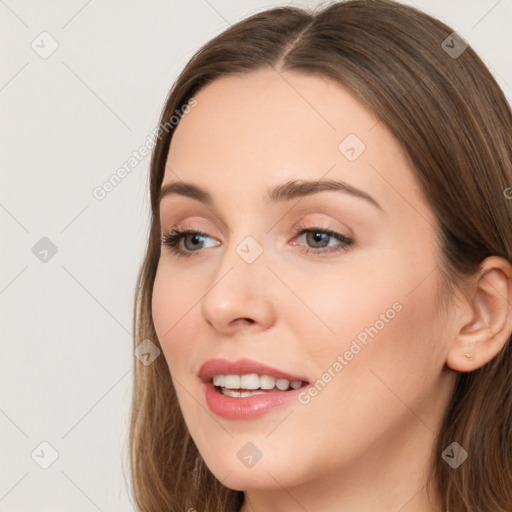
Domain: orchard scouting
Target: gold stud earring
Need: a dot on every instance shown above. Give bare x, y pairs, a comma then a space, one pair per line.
469, 355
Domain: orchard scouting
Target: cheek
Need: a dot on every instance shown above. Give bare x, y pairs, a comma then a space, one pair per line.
378, 315
370, 391
337, 306
171, 304
387, 351
162, 305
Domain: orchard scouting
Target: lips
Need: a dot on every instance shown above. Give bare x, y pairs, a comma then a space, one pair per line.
214, 367
241, 405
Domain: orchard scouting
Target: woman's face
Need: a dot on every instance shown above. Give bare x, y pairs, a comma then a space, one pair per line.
353, 316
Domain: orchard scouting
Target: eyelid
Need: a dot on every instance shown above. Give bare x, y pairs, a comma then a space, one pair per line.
173, 238
299, 214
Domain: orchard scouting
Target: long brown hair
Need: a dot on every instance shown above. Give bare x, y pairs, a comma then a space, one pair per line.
455, 124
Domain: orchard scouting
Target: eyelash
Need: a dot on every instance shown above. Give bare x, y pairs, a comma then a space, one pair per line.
173, 238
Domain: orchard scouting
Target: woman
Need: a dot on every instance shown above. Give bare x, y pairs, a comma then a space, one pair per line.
328, 273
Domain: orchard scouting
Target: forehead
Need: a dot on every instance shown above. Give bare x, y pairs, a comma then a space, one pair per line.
270, 110
252, 131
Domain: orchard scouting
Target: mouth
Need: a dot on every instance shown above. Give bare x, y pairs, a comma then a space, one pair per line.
252, 384
245, 389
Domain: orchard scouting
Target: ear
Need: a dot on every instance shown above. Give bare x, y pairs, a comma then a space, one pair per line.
486, 317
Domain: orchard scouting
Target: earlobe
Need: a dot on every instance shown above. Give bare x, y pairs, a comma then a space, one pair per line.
489, 305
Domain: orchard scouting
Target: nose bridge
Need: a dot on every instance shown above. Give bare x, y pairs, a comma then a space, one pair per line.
242, 265
239, 287
244, 246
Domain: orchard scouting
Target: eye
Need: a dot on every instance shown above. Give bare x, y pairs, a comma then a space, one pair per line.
318, 236
176, 235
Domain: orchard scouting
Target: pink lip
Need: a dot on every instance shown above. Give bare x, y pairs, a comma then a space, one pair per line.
246, 407
242, 366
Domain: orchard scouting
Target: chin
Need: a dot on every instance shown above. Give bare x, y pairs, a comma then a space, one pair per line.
252, 479
241, 466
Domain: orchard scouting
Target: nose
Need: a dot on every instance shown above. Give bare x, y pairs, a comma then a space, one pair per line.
240, 294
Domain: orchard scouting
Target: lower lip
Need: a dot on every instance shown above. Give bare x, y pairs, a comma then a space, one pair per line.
247, 407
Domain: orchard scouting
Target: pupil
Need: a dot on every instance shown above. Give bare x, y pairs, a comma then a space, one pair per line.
196, 239
317, 236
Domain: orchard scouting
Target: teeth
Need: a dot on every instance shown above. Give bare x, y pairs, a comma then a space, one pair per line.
253, 381
282, 384
267, 382
232, 381
218, 380
240, 394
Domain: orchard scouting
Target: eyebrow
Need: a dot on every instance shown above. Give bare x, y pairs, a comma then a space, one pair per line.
284, 192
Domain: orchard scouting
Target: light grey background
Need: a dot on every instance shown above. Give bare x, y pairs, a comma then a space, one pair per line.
68, 122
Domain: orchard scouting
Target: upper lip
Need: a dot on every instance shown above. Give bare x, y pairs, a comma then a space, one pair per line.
241, 367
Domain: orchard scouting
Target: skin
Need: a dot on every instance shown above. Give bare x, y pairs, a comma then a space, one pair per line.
362, 443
